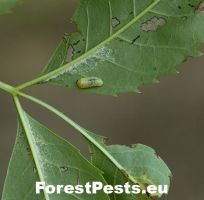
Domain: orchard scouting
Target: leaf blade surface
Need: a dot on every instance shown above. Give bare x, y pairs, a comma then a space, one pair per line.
40, 155
127, 43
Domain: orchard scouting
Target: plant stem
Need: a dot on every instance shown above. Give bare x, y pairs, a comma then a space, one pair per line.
65, 67
7, 88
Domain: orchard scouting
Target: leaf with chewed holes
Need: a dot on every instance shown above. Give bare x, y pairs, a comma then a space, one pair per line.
127, 43
7, 5
138, 164
40, 155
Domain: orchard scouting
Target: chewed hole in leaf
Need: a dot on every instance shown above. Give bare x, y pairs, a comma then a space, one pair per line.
191, 5
200, 7
70, 54
115, 22
153, 24
64, 168
135, 39
76, 43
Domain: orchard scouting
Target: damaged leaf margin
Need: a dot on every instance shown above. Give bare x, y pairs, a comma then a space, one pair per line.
119, 56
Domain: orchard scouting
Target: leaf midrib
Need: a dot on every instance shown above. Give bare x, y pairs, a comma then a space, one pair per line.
83, 131
27, 130
51, 74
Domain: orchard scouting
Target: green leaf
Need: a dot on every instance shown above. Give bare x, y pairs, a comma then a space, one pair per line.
145, 156
138, 164
40, 155
7, 5
127, 43
104, 157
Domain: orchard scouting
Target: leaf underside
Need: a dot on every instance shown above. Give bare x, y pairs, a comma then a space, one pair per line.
127, 43
139, 161
7, 5
49, 158
40, 155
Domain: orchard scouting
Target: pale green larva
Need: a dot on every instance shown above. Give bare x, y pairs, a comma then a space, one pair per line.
89, 82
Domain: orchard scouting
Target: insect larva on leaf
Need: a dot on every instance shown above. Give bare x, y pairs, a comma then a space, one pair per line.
89, 82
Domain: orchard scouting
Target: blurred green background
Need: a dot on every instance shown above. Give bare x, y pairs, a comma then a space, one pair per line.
168, 116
